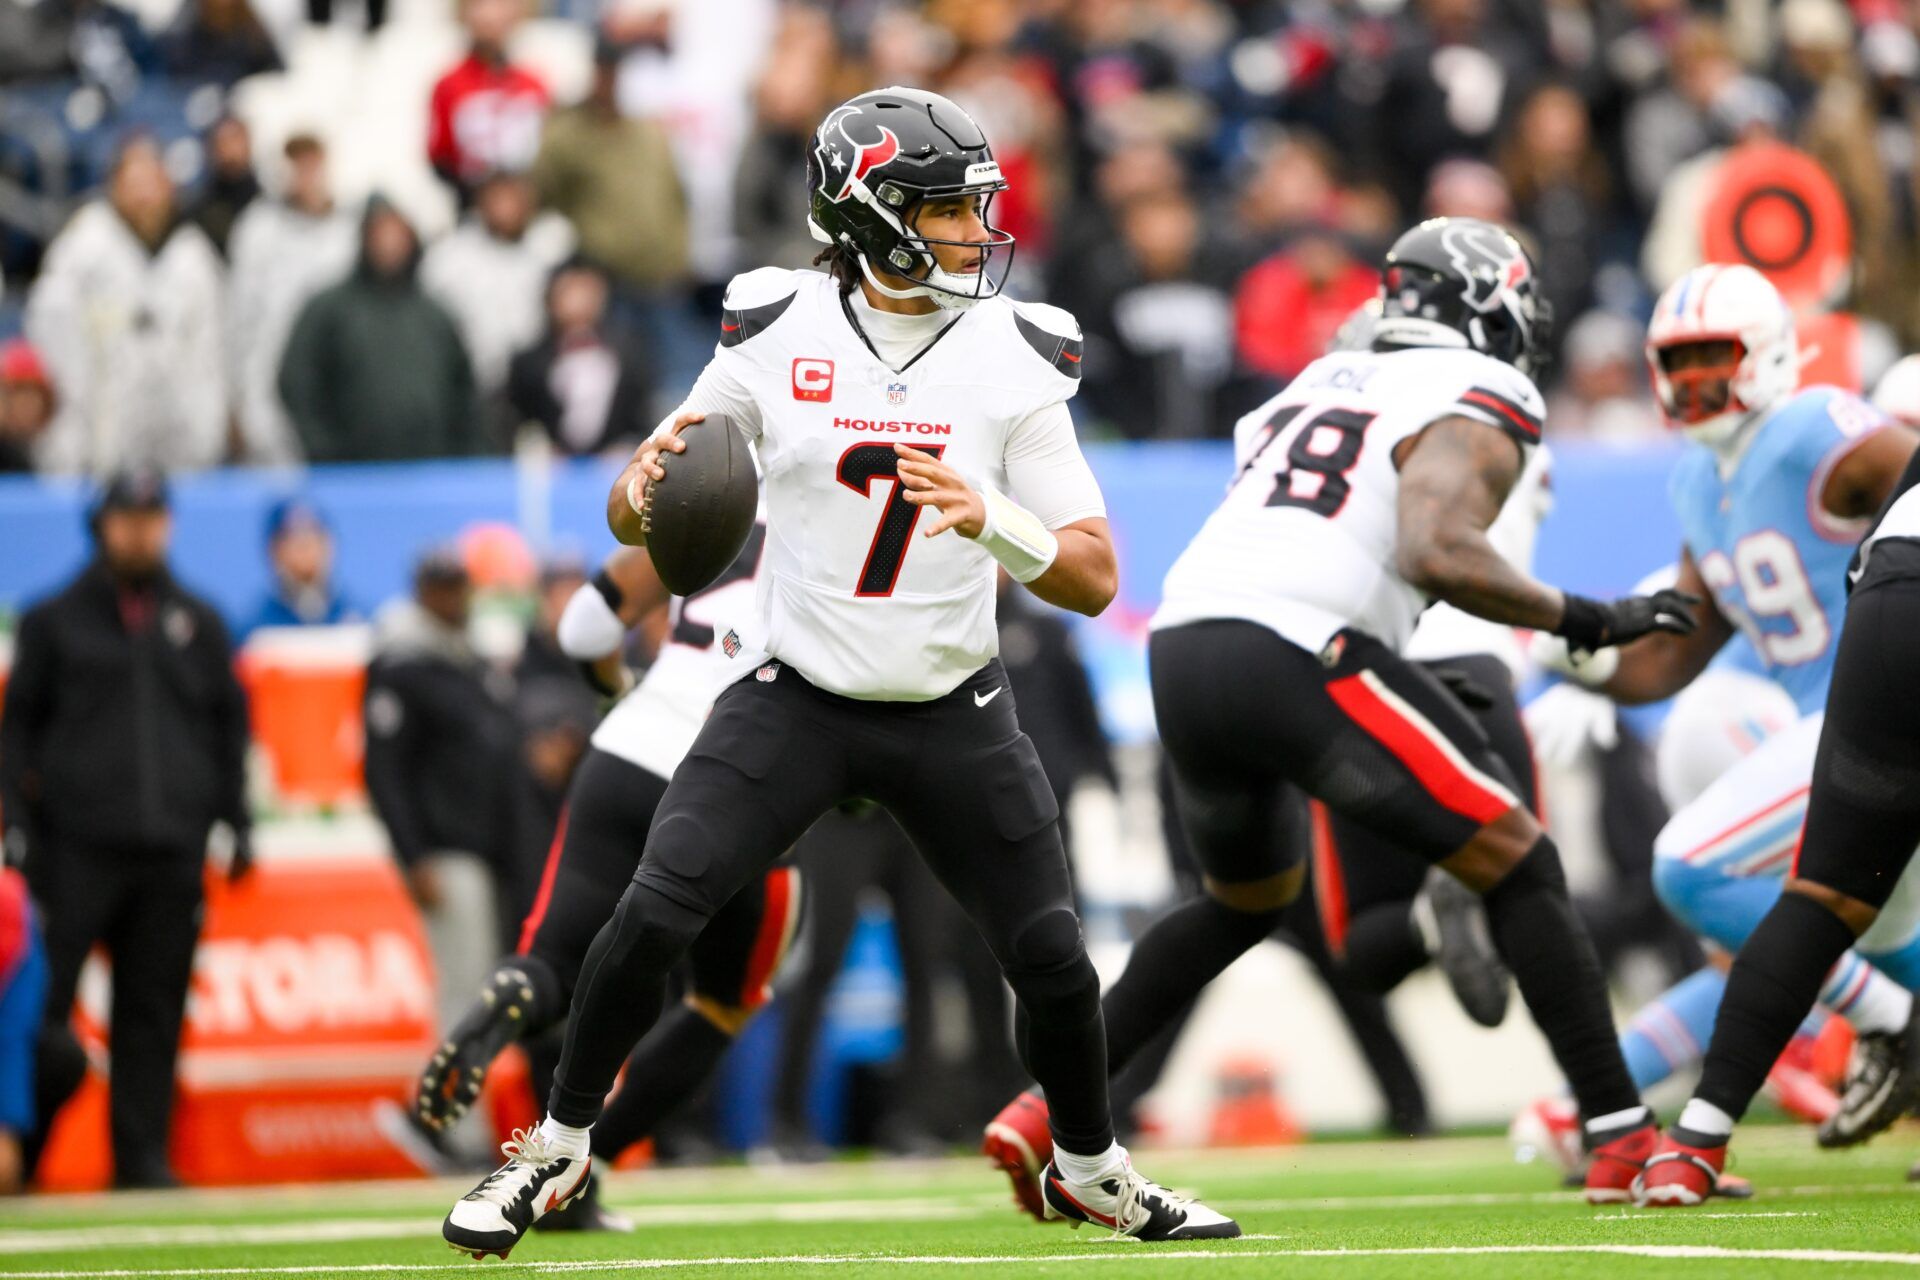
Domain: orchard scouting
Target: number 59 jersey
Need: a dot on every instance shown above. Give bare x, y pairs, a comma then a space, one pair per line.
1304, 542
1774, 558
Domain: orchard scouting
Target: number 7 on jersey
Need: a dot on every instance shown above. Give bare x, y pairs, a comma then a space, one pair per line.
859, 467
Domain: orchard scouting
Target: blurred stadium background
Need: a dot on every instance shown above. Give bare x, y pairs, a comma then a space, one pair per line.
207, 206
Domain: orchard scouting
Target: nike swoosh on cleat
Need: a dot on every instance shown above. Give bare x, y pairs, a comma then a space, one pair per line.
1092, 1214
980, 700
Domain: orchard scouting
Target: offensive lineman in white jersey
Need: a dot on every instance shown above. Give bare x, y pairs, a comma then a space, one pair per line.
1276, 664
901, 381
596, 847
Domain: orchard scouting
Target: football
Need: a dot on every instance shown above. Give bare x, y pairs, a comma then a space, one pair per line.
699, 516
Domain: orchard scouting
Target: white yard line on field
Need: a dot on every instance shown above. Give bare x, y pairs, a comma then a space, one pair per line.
1481, 1199
29, 1240
325, 1231
1694, 1217
1143, 1253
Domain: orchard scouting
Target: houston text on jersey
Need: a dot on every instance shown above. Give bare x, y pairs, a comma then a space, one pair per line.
899, 428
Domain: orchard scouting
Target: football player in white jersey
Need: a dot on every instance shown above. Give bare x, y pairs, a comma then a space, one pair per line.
901, 381
1365, 493
596, 847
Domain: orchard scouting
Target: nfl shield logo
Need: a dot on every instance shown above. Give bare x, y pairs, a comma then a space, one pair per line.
766, 674
730, 643
896, 393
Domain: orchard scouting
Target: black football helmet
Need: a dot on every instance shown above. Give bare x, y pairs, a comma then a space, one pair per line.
875, 159
1461, 282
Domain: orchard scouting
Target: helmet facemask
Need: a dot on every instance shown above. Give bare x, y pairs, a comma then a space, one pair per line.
913, 256
1698, 380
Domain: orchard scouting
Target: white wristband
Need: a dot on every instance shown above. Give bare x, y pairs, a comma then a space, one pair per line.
1015, 537
589, 628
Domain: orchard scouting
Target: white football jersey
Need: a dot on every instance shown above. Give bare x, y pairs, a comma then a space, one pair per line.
1304, 541
655, 724
851, 595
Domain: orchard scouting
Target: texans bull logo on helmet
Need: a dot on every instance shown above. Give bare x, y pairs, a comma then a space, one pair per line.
847, 158
1488, 261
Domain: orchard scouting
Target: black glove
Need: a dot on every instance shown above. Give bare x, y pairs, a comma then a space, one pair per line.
1465, 689
240, 864
1590, 625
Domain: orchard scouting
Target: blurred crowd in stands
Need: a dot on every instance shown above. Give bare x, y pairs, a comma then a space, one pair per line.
243, 231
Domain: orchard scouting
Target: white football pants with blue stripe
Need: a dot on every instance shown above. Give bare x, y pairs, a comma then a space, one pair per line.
1720, 861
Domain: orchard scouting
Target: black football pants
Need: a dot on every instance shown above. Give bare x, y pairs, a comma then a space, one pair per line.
962, 781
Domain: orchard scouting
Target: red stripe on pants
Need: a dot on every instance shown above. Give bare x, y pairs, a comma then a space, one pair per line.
1329, 882
769, 942
541, 899
1411, 746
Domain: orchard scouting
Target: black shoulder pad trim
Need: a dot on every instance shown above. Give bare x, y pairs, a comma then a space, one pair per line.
1062, 353
737, 326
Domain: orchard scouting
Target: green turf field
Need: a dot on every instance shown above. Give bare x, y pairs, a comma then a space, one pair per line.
1444, 1208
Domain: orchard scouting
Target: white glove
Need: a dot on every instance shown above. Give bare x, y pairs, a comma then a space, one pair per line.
1550, 653
1567, 721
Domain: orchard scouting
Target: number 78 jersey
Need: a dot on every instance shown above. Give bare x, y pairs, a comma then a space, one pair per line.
1774, 558
1304, 542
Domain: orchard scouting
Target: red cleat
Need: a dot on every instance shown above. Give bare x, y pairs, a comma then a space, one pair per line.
1680, 1176
1797, 1087
1020, 1141
1614, 1165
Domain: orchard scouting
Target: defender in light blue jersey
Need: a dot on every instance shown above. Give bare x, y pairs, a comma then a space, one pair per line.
1773, 497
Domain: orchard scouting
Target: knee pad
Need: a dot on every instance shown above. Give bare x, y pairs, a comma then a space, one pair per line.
1049, 970
651, 930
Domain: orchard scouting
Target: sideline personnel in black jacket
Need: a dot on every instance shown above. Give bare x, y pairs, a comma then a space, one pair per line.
442, 770
123, 740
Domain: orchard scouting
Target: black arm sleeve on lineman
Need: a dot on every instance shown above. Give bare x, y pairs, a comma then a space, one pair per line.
23, 719
391, 732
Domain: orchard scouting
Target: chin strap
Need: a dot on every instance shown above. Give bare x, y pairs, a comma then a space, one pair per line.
945, 299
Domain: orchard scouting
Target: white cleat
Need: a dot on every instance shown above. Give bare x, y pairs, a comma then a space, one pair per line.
535, 1180
1131, 1205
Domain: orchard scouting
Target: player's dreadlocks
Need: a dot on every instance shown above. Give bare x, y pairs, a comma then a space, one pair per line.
841, 265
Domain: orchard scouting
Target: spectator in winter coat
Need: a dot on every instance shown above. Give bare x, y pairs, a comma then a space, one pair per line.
585, 381
231, 184
284, 251
491, 273
613, 178
485, 112
374, 368
127, 315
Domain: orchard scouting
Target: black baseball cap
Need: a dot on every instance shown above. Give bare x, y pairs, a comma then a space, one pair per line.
135, 489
